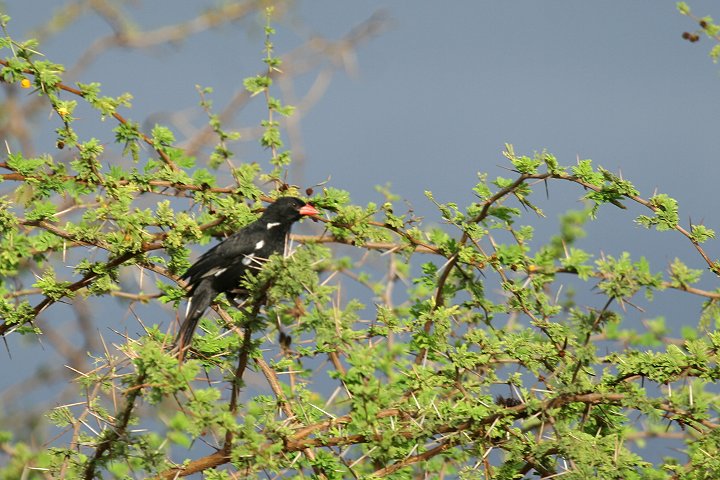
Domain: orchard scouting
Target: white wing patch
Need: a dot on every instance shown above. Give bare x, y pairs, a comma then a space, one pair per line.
259, 244
248, 259
187, 309
214, 272
272, 225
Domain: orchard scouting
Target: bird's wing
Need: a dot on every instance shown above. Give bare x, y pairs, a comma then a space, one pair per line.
232, 249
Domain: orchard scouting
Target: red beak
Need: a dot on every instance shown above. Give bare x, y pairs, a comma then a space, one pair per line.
308, 210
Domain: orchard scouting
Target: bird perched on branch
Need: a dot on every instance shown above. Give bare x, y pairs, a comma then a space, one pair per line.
220, 269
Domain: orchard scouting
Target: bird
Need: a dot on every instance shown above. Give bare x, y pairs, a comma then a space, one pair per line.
220, 269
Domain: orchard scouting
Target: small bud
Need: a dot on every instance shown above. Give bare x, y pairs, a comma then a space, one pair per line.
25, 83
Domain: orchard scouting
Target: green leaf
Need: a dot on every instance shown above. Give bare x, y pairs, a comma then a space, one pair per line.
53, 288
25, 166
666, 213
257, 84
41, 211
203, 177
701, 234
584, 171
162, 136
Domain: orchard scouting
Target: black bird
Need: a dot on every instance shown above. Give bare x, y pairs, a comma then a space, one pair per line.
220, 269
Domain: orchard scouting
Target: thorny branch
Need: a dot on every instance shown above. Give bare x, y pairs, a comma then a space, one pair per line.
301, 440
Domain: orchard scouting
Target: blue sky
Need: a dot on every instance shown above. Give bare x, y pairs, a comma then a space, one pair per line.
437, 95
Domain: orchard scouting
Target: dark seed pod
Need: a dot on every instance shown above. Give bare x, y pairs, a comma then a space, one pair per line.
284, 340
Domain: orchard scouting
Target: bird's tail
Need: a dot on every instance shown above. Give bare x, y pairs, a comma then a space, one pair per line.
198, 302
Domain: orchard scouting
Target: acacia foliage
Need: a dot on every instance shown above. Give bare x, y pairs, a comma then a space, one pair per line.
468, 360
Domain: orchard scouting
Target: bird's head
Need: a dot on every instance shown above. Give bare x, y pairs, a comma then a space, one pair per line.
288, 210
